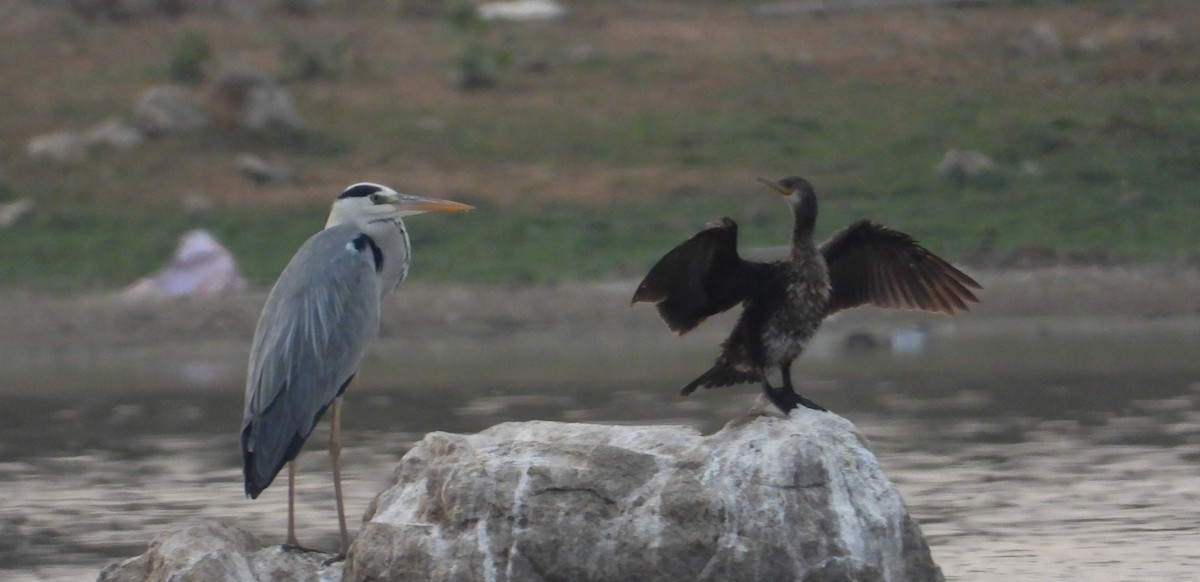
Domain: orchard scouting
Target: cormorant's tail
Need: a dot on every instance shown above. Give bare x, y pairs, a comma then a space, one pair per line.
721, 375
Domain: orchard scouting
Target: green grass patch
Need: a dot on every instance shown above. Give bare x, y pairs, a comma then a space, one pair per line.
1082, 160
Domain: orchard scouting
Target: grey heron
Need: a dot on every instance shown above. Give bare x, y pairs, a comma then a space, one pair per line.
315, 328
784, 302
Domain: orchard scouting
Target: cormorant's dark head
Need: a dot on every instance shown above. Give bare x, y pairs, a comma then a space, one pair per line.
800, 196
790, 186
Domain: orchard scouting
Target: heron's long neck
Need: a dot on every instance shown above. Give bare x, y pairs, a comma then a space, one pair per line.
392, 238
805, 213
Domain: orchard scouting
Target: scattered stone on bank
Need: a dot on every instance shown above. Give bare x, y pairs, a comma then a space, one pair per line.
250, 98
581, 53
60, 146
113, 133
200, 266
207, 551
766, 498
168, 109
1127, 34
1039, 42
960, 163
73, 146
263, 171
11, 212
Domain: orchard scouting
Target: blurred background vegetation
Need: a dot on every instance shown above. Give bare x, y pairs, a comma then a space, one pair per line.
593, 142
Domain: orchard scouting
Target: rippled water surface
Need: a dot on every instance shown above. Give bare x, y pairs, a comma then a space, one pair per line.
1047, 450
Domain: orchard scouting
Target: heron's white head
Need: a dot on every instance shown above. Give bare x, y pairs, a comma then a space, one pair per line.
366, 202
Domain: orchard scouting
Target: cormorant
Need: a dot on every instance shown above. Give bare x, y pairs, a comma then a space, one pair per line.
785, 301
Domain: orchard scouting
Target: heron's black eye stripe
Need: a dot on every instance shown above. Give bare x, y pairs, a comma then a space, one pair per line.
359, 190
361, 242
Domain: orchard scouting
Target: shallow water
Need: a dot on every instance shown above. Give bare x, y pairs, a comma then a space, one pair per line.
1048, 449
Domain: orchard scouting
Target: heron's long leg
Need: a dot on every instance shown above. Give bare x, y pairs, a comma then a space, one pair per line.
291, 535
335, 451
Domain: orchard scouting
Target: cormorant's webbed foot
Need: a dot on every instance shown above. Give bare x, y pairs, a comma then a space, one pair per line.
787, 400
296, 547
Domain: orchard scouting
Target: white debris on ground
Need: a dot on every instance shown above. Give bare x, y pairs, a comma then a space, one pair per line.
200, 266
522, 10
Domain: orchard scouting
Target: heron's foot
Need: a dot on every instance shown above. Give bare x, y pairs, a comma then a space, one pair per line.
338, 557
787, 400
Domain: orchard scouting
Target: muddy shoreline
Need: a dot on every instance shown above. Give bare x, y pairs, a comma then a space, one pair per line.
36, 322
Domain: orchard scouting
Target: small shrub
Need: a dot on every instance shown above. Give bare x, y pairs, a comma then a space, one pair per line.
189, 57
308, 60
480, 64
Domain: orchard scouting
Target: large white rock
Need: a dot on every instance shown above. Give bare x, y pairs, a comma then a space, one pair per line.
767, 498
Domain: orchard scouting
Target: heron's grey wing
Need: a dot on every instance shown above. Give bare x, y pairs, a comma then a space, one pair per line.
702, 276
872, 264
315, 328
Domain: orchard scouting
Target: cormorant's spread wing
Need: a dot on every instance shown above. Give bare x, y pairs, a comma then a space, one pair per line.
702, 276
872, 264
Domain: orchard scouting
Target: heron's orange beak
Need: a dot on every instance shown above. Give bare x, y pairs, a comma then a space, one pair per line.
412, 204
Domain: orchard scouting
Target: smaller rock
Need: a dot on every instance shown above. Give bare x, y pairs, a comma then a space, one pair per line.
72, 146
1040, 42
113, 133
248, 97
62, 146
196, 205
581, 53
1030, 168
11, 212
965, 163
263, 171
215, 551
167, 109
1145, 35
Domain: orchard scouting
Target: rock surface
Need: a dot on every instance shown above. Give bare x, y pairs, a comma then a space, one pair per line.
766, 498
